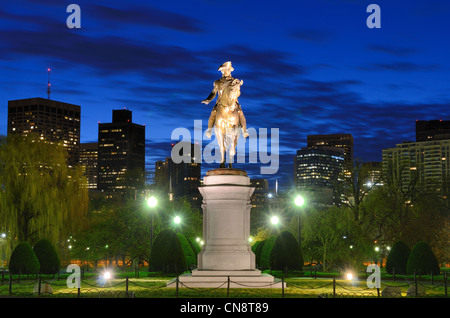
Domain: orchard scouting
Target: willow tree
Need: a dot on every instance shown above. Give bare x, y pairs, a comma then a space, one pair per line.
40, 195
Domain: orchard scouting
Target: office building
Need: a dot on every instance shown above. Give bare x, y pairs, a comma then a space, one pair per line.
181, 179
342, 141
261, 193
423, 163
319, 172
121, 154
53, 121
89, 162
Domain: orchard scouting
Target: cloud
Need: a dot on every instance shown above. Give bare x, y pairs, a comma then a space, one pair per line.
311, 35
401, 67
148, 16
392, 50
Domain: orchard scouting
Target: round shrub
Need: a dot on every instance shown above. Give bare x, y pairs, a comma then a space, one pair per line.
254, 246
167, 254
189, 254
286, 253
47, 256
257, 252
195, 246
264, 260
422, 260
397, 258
23, 260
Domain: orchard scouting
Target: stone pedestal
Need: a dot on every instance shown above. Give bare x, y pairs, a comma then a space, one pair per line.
226, 254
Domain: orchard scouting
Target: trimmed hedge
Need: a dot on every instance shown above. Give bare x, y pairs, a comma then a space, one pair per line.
189, 254
422, 260
195, 246
167, 253
264, 260
47, 256
23, 260
257, 252
286, 253
398, 258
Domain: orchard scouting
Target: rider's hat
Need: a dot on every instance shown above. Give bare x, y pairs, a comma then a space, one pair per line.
226, 65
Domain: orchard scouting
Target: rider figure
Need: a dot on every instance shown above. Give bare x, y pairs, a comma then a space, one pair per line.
219, 86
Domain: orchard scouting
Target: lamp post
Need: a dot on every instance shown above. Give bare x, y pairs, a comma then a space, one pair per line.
152, 202
299, 202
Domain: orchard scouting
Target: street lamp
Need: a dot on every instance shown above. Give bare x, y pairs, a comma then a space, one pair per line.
152, 202
299, 202
177, 221
274, 220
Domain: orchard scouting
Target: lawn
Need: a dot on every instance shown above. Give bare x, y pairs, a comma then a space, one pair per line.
153, 285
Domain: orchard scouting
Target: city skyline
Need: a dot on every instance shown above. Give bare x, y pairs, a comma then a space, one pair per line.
308, 68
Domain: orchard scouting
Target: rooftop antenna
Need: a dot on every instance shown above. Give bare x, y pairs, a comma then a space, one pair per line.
48, 85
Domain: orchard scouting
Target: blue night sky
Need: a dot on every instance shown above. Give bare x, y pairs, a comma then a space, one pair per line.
309, 67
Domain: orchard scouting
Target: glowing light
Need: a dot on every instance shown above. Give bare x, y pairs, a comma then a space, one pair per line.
349, 276
152, 201
299, 201
274, 220
107, 275
177, 220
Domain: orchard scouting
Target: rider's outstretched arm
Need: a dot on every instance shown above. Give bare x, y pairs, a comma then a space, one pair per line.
211, 95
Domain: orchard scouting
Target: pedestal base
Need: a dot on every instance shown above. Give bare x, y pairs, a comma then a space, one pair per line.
219, 279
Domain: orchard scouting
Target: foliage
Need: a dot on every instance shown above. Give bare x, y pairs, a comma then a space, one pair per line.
23, 260
28, 166
257, 252
397, 258
286, 253
195, 246
264, 258
422, 260
167, 253
189, 254
126, 226
47, 256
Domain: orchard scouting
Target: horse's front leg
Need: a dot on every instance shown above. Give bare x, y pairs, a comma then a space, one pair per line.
221, 141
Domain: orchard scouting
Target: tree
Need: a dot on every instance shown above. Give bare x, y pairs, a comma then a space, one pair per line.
397, 258
286, 253
40, 195
325, 231
47, 256
23, 260
422, 260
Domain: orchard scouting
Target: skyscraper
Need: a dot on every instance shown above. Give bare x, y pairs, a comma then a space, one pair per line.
343, 141
89, 162
180, 179
121, 154
318, 171
53, 121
